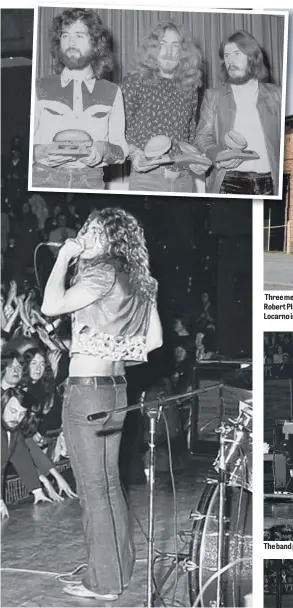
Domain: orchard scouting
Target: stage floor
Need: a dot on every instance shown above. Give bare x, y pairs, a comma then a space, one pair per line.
48, 537
278, 271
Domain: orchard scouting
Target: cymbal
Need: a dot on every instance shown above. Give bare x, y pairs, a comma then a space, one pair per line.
239, 383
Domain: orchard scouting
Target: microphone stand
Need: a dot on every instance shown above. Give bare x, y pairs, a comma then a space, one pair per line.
153, 409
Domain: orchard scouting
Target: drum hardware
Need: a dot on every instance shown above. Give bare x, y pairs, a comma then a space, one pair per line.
184, 535
196, 515
213, 499
211, 480
222, 486
153, 409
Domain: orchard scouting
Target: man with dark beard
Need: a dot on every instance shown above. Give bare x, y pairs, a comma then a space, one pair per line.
79, 116
243, 114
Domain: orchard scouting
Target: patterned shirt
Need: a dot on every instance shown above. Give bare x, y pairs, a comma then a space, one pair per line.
158, 107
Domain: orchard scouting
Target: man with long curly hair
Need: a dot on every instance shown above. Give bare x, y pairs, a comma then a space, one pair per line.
112, 300
79, 116
244, 113
161, 97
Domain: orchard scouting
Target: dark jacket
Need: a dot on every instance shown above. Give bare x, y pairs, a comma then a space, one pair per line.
18, 454
217, 117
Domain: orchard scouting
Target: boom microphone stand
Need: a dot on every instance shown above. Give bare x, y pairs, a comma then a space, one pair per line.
153, 409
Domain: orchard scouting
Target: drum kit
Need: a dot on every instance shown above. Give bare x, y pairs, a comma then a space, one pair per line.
218, 561
221, 537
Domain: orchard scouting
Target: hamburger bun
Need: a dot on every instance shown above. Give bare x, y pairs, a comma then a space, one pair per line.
72, 135
157, 146
235, 141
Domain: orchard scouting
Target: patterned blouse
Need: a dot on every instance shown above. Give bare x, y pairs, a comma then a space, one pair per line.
114, 327
158, 107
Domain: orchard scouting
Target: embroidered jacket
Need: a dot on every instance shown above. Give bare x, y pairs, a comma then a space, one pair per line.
67, 101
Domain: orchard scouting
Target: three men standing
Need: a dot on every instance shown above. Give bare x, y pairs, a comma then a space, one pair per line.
80, 124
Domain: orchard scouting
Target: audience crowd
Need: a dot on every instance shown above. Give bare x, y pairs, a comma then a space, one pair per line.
278, 355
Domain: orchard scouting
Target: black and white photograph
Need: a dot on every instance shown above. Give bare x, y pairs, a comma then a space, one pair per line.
278, 436
158, 101
127, 402
278, 583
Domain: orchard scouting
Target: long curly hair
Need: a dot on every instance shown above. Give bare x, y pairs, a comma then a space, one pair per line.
125, 244
47, 380
188, 74
101, 56
248, 45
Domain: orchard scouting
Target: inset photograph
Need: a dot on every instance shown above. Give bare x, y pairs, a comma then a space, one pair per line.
278, 436
193, 103
278, 583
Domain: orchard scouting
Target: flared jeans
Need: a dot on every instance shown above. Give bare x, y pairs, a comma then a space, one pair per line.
93, 449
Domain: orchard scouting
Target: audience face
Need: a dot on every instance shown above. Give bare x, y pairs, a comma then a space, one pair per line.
62, 221
180, 354
37, 367
169, 53
13, 414
13, 373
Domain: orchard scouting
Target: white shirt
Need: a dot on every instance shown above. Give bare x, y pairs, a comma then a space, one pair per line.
247, 122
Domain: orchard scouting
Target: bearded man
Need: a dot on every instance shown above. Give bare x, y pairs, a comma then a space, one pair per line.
244, 113
161, 98
79, 116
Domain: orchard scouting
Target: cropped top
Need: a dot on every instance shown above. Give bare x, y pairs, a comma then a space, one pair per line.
115, 325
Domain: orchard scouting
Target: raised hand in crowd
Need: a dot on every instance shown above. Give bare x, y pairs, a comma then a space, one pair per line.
7, 327
12, 293
45, 338
28, 328
54, 358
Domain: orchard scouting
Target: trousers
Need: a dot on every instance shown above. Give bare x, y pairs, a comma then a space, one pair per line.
93, 449
161, 180
238, 182
90, 178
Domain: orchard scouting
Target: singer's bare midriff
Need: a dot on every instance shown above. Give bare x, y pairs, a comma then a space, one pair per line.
89, 365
